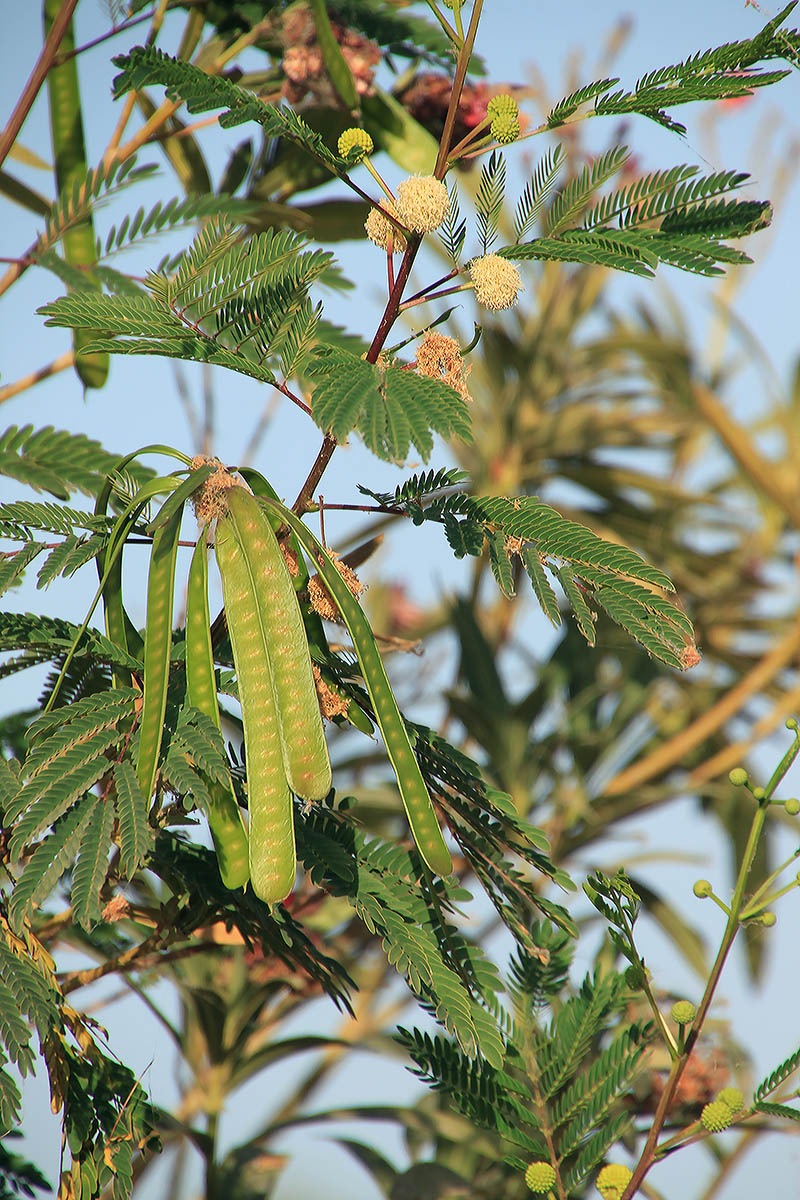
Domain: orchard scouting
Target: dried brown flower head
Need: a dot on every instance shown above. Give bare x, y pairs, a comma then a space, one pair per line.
321, 600
331, 703
439, 357
209, 501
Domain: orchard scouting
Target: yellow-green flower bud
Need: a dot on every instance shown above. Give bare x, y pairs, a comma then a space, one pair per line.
422, 203
683, 1012
355, 144
496, 281
738, 776
716, 1116
702, 889
792, 806
540, 1177
732, 1097
791, 722
612, 1181
505, 128
502, 106
759, 793
767, 919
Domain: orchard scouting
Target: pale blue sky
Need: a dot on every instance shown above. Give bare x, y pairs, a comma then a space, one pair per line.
140, 403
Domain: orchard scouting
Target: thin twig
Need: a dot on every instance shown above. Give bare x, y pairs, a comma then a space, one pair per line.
676, 748
104, 37
137, 958
732, 755
37, 77
20, 385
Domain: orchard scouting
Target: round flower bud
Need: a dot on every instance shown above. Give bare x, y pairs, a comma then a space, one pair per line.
505, 129
683, 1012
502, 106
732, 1097
716, 1116
379, 230
792, 806
791, 722
422, 203
767, 919
702, 889
612, 1181
759, 793
634, 976
354, 144
540, 1176
496, 281
738, 776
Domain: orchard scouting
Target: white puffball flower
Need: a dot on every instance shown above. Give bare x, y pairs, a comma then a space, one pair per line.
379, 230
422, 203
496, 281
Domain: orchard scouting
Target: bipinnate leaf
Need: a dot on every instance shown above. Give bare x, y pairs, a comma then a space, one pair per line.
91, 866
135, 834
390, 407
50, 859
202, 93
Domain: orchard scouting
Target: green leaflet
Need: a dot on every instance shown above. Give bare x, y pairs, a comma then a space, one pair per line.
416, 800
131, 807
50, 859
91, 866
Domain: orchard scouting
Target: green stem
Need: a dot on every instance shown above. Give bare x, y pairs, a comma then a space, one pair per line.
650, 1151
759, 892
210, 1153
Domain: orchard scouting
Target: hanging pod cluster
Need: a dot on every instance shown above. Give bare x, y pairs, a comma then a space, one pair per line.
285, 747
272, 636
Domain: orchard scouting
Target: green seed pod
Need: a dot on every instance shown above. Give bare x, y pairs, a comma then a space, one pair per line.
157, 646
315, 631
414, 793
271, 837
308, 767
69, 153
224, 817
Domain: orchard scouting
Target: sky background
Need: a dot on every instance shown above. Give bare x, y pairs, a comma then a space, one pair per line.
520, 42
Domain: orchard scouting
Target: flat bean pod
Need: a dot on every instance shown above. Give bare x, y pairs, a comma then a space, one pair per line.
315, 631
157, 646
414, 793
69, 153
224, 817
306, 760
271, 836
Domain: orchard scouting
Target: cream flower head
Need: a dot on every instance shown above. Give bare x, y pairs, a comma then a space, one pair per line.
379, 230
422, 203
496, 281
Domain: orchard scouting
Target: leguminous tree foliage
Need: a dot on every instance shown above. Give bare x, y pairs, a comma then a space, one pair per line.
178, 804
